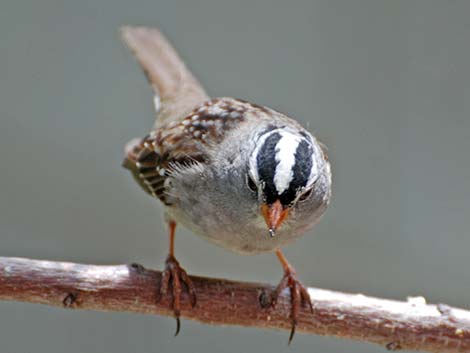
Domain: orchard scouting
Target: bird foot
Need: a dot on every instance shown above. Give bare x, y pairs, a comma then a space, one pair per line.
175, 278
298, 295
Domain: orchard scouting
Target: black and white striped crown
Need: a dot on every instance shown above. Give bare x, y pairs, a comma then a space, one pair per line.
283, 164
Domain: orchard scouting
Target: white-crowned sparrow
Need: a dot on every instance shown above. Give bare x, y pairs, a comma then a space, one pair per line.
240, 175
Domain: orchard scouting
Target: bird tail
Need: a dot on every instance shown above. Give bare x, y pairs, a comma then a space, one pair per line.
178, 91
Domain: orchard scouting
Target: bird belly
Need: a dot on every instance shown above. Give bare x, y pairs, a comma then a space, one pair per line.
247, 237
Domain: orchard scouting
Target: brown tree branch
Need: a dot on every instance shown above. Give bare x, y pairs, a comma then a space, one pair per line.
411, 325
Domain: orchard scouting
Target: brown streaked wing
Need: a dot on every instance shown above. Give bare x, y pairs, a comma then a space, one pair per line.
146, 167
153, 158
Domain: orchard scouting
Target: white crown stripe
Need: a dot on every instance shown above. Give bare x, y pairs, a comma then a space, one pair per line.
285, 156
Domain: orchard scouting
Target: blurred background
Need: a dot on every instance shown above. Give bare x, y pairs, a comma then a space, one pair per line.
384, 84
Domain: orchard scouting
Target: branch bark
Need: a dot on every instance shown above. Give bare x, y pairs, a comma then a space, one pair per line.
410, 325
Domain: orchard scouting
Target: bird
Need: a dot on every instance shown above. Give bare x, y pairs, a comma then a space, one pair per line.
240, 175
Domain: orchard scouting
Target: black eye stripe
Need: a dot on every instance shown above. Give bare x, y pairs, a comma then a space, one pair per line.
303, 164
266, 162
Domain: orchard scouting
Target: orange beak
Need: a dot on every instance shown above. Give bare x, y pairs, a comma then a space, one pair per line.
274, 215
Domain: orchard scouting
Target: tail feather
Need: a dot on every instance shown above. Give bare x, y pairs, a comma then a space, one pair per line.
178, 90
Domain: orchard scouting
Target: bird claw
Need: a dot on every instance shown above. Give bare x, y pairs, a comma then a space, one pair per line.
298, 294
174, 277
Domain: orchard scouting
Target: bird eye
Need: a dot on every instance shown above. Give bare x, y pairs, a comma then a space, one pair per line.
251, 183
306, 195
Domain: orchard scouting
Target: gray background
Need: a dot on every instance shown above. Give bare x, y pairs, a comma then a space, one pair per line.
385, 84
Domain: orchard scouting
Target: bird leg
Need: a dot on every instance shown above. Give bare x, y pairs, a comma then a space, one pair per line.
175, 278
298, 292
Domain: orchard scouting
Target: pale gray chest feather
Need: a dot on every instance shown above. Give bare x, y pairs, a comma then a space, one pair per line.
215, 203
